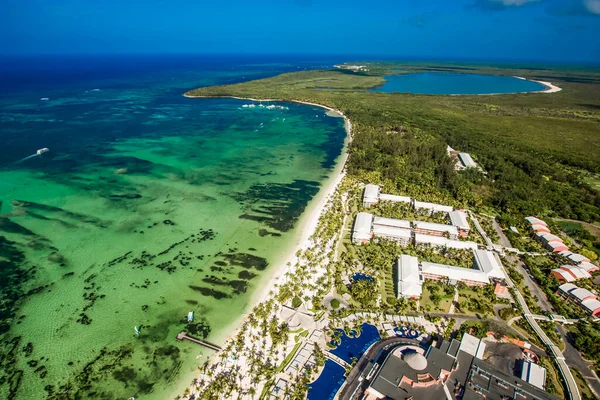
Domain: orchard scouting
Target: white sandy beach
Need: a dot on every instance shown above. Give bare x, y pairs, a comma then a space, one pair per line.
308, 224
550, 88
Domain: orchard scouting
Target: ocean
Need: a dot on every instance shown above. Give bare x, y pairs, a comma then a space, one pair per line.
147, 206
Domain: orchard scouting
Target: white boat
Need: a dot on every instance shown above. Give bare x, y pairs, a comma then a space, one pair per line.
42, 151
44, 98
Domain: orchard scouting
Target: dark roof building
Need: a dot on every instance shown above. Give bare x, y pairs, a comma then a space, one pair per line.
446, 372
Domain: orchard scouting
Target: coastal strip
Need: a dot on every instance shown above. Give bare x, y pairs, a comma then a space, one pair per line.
307, 226
550, 88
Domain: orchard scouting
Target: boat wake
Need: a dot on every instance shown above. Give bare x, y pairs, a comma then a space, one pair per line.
37, 153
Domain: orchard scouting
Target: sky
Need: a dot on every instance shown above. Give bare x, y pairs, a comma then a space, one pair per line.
519, 30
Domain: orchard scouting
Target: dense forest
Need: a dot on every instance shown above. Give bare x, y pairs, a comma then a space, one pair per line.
539, 151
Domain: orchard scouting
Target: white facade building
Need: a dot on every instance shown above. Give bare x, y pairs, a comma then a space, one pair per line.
362, 228
371, 195
410, 281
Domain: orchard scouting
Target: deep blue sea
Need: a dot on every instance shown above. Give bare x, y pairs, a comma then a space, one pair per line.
450, 83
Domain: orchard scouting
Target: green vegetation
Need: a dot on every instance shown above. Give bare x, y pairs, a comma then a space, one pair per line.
481, 328
364, 291
436, 296
586, 338
536, 148
296, 302
584, 389
476, 300
335, 304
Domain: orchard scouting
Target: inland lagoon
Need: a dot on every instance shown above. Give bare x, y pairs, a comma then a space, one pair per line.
147, 206
452, 83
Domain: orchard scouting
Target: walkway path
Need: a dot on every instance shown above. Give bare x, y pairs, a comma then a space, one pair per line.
336, 359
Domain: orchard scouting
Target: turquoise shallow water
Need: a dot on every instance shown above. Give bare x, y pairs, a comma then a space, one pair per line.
449, 83
147, 206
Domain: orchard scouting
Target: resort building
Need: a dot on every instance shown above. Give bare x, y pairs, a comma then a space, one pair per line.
589, 267
453, 275
551, 242
489, 263
487, 270
534, 220
410, 280
440, 241
447, 370
539, 228
556, 247
395, 198
362, 231
392, 223
370, 195
466, 160
461, 222
570, 273
400, 235
534, 374
429, 228
576, 258
431, 208
410, 369
392, 229
580, 296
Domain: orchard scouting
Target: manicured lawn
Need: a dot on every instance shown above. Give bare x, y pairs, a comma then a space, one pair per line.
427, 304
474, 303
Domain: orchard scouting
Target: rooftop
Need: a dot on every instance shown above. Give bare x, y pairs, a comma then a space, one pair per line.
398, 223
567, 287
393, 197
383, 230
581, 293
591, 305
564, 275
456, 273
459, 219
436, 227
534, 220
488, 263
363, 222
534, 374
371, 193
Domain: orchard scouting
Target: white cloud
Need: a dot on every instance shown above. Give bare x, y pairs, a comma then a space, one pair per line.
593, 6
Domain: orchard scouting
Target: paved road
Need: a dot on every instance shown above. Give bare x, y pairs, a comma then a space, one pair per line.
571, 354
373, 353
572, 389
536, 291
574, 359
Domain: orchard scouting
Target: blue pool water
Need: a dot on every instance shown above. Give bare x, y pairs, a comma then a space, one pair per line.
329, 382
449, 83
356, 346
359, 276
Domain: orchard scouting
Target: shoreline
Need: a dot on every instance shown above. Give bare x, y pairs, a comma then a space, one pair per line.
550, 88
307, 223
